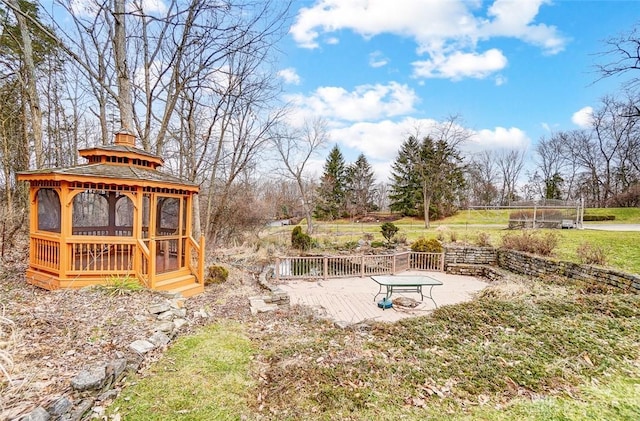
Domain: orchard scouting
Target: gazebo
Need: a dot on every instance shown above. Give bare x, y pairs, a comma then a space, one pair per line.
114, 217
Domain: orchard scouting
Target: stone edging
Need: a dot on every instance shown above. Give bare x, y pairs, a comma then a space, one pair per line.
276, 298
94, 387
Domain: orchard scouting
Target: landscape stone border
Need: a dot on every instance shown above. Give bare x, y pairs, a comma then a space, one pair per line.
96, 386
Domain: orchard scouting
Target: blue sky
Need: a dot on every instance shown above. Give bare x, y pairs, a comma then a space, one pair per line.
512, 70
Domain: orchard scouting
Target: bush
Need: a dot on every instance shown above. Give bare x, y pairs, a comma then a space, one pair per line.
453, 236
424, 245
300, 240
216, 275
483, 239
388, 230
592, 218
377, 244
530, 242
591, 254
120, 285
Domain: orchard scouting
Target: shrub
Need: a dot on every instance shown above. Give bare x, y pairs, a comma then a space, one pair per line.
426, 245
300, 240
453, 236
388, 230
591, 254
592, 218
377, 244
400, 239
350, 245
367, 236
530, 242
483, 239
441, 231
216, 275
120, 285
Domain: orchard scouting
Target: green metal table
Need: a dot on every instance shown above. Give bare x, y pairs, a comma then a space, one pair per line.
406, 283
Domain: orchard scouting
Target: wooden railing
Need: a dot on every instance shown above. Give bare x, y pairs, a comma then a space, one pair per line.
195, 258
45, 253
323, 267
89, 256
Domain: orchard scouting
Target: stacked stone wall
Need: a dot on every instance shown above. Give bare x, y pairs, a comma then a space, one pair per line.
528, 264
487, 262
470, 255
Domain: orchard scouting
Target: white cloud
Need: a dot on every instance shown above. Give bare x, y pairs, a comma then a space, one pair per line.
446, 31
514, 18
498, 138
583, 117
365, 103
290, 76
377, 59
460, 65
154, 6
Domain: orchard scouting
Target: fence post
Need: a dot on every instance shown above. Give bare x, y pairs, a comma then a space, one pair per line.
325, 270
362, 266
277, 269
393, 264
442, 262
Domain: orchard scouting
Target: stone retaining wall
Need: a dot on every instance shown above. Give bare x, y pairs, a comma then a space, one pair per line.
485, 261
469, 255
528, 264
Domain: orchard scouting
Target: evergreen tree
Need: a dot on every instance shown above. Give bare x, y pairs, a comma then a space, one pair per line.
427, 179
405, 194
360, 186
441, 178
331, 192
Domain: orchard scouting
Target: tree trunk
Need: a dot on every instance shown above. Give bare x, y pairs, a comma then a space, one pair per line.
29, 82
120, 52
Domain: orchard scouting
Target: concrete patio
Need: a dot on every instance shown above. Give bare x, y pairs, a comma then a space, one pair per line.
351, 300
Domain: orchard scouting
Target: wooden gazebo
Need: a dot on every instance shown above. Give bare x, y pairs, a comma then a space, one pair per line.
116, 216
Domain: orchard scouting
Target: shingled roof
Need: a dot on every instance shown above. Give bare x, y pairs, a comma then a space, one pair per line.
132, 174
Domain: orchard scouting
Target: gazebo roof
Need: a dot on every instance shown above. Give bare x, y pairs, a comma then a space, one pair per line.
131, 175
121, 163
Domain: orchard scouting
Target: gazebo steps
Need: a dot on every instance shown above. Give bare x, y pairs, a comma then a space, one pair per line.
185, 285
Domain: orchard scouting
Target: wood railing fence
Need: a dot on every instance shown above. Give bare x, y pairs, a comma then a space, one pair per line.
324, 267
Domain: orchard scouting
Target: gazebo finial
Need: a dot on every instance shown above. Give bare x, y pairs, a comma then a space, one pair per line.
125, 138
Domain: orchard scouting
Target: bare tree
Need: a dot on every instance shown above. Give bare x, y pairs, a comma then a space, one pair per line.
482, 178
510, 163
624, 51
296, 148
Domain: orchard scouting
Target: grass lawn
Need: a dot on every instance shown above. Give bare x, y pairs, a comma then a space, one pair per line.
201, 377
522, 349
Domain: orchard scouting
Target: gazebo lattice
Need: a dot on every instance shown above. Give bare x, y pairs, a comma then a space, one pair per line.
113, 217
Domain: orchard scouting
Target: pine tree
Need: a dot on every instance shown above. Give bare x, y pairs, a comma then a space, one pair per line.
427, 179
331, 192
405, 191
360, 186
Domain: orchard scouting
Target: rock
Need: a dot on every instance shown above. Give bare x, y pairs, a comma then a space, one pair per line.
342, 324
59, 406
115, 369
177, 303
98, 411
159, 308
89, 379
108, 395
78, 412
159, 339
179, 312
38, 414
165, 315
179, 323
166, 326
141, 346
405, 302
